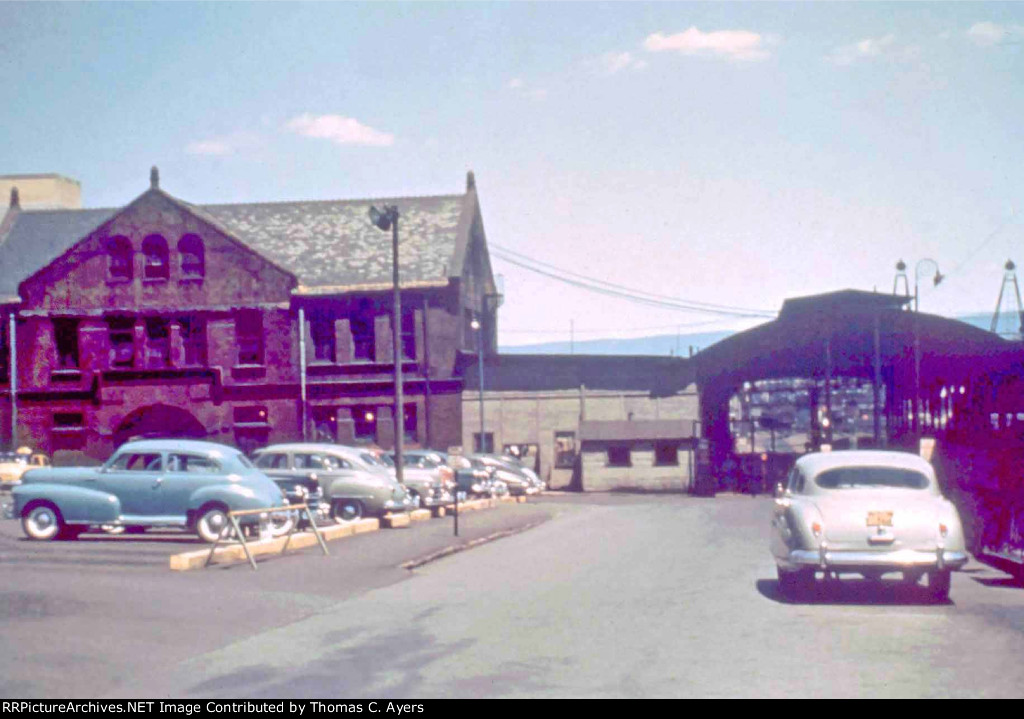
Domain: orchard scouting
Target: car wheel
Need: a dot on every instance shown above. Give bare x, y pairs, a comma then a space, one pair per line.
281, 523
42, 522
938, 584
211, 524
346, 510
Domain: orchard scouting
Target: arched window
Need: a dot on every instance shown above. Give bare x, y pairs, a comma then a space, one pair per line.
154, 248
192, 260
120, 253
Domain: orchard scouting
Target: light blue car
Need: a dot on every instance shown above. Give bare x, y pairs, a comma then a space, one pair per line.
147, 483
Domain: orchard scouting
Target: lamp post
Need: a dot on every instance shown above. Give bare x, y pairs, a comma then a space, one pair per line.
478, 328
387, 219
936, 279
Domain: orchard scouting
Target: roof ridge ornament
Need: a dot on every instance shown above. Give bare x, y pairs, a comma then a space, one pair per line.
154, 178
15, 199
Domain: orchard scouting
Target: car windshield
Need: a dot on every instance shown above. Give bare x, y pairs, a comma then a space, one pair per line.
857, 477
377, 460
12, 458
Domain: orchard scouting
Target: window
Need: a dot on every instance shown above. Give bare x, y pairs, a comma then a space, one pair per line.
191, 464
618, 456
565, 450
272, 460
158, 343
362, 326
254, 415
119, 250
193, 340
409, 422
190, 247
321, 330
666, 454
154, 250
325, 424
408, 333
249, 337
66, 334
487, 447
364, 420
136, 462
323, 462
68, 421
122, 341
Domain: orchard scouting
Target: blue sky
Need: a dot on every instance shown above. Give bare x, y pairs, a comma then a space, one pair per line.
727, 153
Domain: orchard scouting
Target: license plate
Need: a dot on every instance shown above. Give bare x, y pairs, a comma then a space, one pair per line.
879, 519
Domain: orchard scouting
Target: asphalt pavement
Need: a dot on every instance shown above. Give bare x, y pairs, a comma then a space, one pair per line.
598, 596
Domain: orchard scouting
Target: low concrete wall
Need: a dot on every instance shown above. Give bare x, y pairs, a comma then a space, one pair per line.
643, 474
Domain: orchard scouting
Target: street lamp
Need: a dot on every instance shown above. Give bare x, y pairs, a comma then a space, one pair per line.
387, 219
478, 328
936, 279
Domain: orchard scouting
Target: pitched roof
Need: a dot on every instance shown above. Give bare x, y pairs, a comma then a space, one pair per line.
330, 246
36, 238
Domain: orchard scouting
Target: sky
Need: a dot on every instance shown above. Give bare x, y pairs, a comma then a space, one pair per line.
731, 154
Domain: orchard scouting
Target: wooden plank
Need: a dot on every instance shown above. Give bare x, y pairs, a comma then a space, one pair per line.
235, 553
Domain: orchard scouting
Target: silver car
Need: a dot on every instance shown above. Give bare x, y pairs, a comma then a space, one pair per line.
345, 483
867, 513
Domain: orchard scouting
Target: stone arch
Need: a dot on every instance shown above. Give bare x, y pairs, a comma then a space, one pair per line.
159, 420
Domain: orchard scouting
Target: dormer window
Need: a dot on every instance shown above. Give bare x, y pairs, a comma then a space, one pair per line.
154, 248
192, 257
119, 250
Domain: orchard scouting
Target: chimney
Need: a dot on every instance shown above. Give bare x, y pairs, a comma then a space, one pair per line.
15, 200
470, 181
154, 178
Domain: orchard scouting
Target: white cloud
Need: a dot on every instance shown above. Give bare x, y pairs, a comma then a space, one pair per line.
987, 34
732, 44
863, 49
340, 130
519, 86
613, 62
208, 147
221, 146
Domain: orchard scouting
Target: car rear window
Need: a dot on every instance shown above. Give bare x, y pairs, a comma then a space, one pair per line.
855, 477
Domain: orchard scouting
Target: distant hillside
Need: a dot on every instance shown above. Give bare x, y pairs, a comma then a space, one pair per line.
662, 345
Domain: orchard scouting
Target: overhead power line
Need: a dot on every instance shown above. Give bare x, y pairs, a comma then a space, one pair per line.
621, 291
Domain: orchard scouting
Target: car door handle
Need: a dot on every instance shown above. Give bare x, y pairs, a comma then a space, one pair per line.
157, 482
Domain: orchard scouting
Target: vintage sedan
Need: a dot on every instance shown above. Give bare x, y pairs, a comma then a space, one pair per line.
345, 483
867, 513
14, 464
148, 483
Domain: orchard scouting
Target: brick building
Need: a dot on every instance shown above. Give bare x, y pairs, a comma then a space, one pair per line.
240, 323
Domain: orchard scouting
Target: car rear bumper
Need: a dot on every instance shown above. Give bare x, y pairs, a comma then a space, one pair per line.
846, 560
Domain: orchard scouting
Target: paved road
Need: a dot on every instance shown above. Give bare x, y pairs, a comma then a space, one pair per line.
614, 596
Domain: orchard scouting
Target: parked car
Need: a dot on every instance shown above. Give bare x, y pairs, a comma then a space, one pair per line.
867, 513
345, 483
472, 477
425, 482
14, 464
148, 483
537, 485
512, 475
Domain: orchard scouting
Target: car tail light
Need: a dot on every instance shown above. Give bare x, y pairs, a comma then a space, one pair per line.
816, 528
943, 529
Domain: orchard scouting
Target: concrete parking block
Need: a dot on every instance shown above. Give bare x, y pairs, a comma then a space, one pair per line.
437, 512
234, 552
395, 521
419, 515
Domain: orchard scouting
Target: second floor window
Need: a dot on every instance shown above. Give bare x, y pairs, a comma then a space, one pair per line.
321, 330
363, 337
119, 252
193, 261
193, 340
158, 342
249, 337
122, 342
408, 333
154, 248
66, 334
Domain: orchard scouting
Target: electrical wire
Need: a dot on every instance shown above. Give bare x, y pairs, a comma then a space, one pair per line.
620, 291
